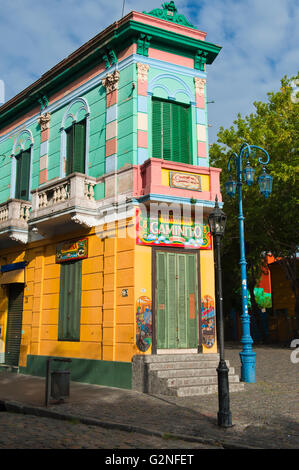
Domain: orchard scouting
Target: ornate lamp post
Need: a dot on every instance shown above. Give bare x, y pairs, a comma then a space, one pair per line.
265, 184
217, 221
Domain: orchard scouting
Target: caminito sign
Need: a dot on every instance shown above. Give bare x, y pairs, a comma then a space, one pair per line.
166, 232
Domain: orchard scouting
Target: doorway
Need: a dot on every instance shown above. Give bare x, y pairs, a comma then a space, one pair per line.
14, 324
176, 300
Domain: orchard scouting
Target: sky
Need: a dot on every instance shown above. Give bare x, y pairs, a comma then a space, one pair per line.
259, 39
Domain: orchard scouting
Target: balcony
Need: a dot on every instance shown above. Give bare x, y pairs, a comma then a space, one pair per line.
177, 182
64, 205
14, 216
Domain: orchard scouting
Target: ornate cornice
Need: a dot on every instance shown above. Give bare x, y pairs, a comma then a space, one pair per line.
142, 70
110, 81
44, 121
199, 85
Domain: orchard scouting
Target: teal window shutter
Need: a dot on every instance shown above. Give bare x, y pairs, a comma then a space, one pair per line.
79, 146
171, 130
70, 301
23, 176
75, 148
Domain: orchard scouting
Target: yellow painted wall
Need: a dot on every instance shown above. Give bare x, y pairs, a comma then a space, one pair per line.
143, 281
115, 274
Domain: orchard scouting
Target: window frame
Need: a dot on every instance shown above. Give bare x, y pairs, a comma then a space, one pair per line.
176, 149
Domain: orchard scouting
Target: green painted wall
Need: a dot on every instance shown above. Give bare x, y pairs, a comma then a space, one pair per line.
111, 374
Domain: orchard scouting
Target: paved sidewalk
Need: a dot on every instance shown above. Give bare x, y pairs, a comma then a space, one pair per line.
265, 415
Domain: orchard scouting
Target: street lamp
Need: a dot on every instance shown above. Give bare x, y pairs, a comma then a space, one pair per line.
217, 221
265, 184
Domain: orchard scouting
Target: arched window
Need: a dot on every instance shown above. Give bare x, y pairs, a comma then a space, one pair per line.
74, 138
21, 166
171, 118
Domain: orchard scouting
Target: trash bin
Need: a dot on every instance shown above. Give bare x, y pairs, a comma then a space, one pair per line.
60, 384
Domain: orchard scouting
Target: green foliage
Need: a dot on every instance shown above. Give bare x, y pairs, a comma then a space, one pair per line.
271, 225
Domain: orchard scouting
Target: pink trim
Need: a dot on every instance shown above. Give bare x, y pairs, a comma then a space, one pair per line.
171, 58
164, 24
44, 135
111, 147
111, 98
142, 139
43, 176
142, 87
200, 101
202, 149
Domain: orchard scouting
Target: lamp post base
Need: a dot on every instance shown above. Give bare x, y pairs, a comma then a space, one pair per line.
248, 367
224, 414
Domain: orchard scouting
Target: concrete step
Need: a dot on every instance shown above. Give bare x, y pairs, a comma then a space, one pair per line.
168, 373
184, 365
206, 389
204, 380
159, 358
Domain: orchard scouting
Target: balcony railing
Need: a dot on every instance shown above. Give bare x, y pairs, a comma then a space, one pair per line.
66, 201
14, 216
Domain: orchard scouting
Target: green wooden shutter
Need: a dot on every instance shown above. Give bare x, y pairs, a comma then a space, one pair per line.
79, 146
192, 300
182, 307
172, 301
23, 176
69, 150
171, 131
161, 300
185, 139
70, 301
167, 130
157, 129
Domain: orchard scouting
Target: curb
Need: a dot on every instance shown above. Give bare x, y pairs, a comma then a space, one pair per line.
16, 407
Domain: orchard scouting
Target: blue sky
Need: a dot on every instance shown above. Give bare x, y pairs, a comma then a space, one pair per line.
259, 40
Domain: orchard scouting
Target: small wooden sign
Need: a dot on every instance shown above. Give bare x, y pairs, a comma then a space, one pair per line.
71, 251
189, 181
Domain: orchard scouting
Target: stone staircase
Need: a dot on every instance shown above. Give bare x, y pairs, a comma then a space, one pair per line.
180, 375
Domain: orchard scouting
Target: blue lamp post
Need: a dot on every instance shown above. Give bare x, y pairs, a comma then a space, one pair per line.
265, 184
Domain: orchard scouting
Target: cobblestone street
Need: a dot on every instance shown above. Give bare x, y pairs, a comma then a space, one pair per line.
19, 431
265, 415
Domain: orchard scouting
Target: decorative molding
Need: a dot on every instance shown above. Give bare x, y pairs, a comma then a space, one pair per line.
169, 12
143, 43
142, 70
19, 237
44, 102
44, 121
110, 81
200, 60
199, 85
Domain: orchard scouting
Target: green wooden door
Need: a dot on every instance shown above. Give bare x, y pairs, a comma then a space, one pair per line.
14, 324
70, 301
176, 300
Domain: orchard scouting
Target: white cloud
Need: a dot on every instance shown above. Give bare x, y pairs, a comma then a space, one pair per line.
259, 40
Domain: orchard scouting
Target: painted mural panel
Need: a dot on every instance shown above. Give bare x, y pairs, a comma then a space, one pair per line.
144, 323
208, 321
